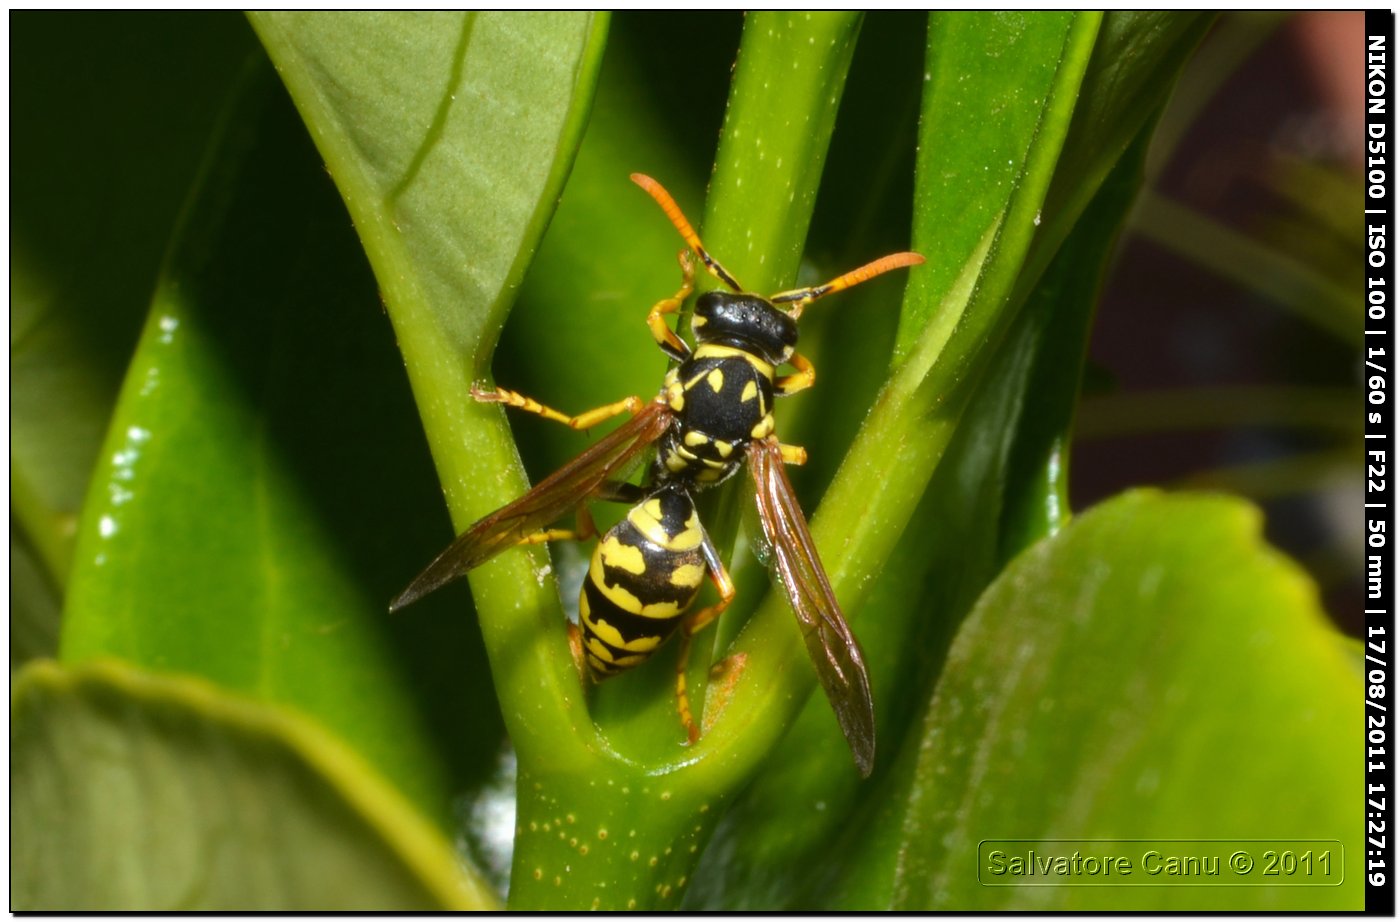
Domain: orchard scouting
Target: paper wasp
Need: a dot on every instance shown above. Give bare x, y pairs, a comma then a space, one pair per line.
713, 414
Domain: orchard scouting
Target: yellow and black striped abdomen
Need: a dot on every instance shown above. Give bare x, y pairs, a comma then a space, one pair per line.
644, 574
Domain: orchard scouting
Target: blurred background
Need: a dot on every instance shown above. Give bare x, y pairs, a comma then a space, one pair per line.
1226, 348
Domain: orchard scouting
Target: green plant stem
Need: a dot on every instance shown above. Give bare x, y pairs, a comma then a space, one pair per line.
787, 90
623, 834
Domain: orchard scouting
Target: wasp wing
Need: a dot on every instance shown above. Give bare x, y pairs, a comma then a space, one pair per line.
830, 643
547, 502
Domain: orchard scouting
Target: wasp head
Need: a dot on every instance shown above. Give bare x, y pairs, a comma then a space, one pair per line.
745, 321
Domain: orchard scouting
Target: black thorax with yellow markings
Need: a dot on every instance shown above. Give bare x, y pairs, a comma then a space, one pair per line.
722, 392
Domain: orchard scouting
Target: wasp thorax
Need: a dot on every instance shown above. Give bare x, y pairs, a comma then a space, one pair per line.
746, 321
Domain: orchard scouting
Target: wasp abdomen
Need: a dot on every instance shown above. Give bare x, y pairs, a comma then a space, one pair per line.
644, 574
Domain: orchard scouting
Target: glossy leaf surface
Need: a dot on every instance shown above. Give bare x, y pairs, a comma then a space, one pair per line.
244, 523
235, 806
88, 233
1106, 686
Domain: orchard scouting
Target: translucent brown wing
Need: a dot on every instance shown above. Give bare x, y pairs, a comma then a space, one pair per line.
550, 499
832, 646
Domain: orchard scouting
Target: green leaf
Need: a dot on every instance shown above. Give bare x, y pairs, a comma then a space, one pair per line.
451, 181
262, 490
88, 230
413, 157
1046, 351
987, 144
1106, 686
138, 793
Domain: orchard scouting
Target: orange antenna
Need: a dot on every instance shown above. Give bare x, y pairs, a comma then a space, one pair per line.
799, 298
692, 239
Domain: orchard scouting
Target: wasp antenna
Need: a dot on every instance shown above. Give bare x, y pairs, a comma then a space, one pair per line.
692, 239
801, 297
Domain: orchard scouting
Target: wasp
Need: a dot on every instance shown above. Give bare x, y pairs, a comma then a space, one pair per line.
713, 415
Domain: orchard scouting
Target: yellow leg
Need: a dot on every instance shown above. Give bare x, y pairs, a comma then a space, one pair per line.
585, 420
793, 454
552, 534
689, 627
669, 342
584, 529
799, 380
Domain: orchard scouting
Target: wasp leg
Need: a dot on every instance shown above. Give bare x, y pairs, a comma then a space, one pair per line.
793, 454
799, 380
670, 343
585, 420
584, 529
695, 623
612, 491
